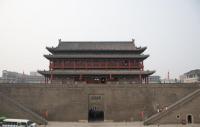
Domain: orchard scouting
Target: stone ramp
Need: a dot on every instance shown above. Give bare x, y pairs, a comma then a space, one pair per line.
11, 108
155, 118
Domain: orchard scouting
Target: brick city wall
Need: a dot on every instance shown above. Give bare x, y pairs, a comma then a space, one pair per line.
70, 103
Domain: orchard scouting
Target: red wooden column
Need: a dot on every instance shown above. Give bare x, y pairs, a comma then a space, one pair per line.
129, 64
85, 63
49, 64
74, 64
63, 64
146, 79
110, 77
117, 64
45, 80
106, 64
142, 65
80, 77
140, 78
51, 78
50, 69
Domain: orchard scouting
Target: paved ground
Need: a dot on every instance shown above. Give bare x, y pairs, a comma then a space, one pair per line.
110, 124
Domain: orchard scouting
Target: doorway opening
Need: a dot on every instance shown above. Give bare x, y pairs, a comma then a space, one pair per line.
189, 119
95, 115
95, 107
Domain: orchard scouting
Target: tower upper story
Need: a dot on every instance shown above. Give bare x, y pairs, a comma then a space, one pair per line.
96, 49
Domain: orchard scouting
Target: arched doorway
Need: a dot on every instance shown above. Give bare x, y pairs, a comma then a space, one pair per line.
189, 119
95, 115
95, 108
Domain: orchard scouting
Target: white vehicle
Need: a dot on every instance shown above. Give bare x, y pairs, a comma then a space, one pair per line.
18, 123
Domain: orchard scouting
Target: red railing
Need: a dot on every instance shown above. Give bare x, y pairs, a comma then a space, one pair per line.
96, 65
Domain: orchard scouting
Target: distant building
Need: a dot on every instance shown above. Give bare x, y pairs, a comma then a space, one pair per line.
34, 73
12, 77
154, 79
169, 81
34, 77
182, 77
192, 76
15, 77
1, 80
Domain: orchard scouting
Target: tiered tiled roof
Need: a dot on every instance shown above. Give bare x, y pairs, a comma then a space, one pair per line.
96, 46
97, 56
96, 72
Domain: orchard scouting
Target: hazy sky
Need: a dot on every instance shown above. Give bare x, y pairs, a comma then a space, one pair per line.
169, 28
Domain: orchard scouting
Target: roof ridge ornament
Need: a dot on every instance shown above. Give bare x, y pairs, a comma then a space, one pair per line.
133, 41
59, 40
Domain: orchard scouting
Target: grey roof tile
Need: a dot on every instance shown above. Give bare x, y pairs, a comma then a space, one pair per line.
97, 56
101, 72
96, 45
